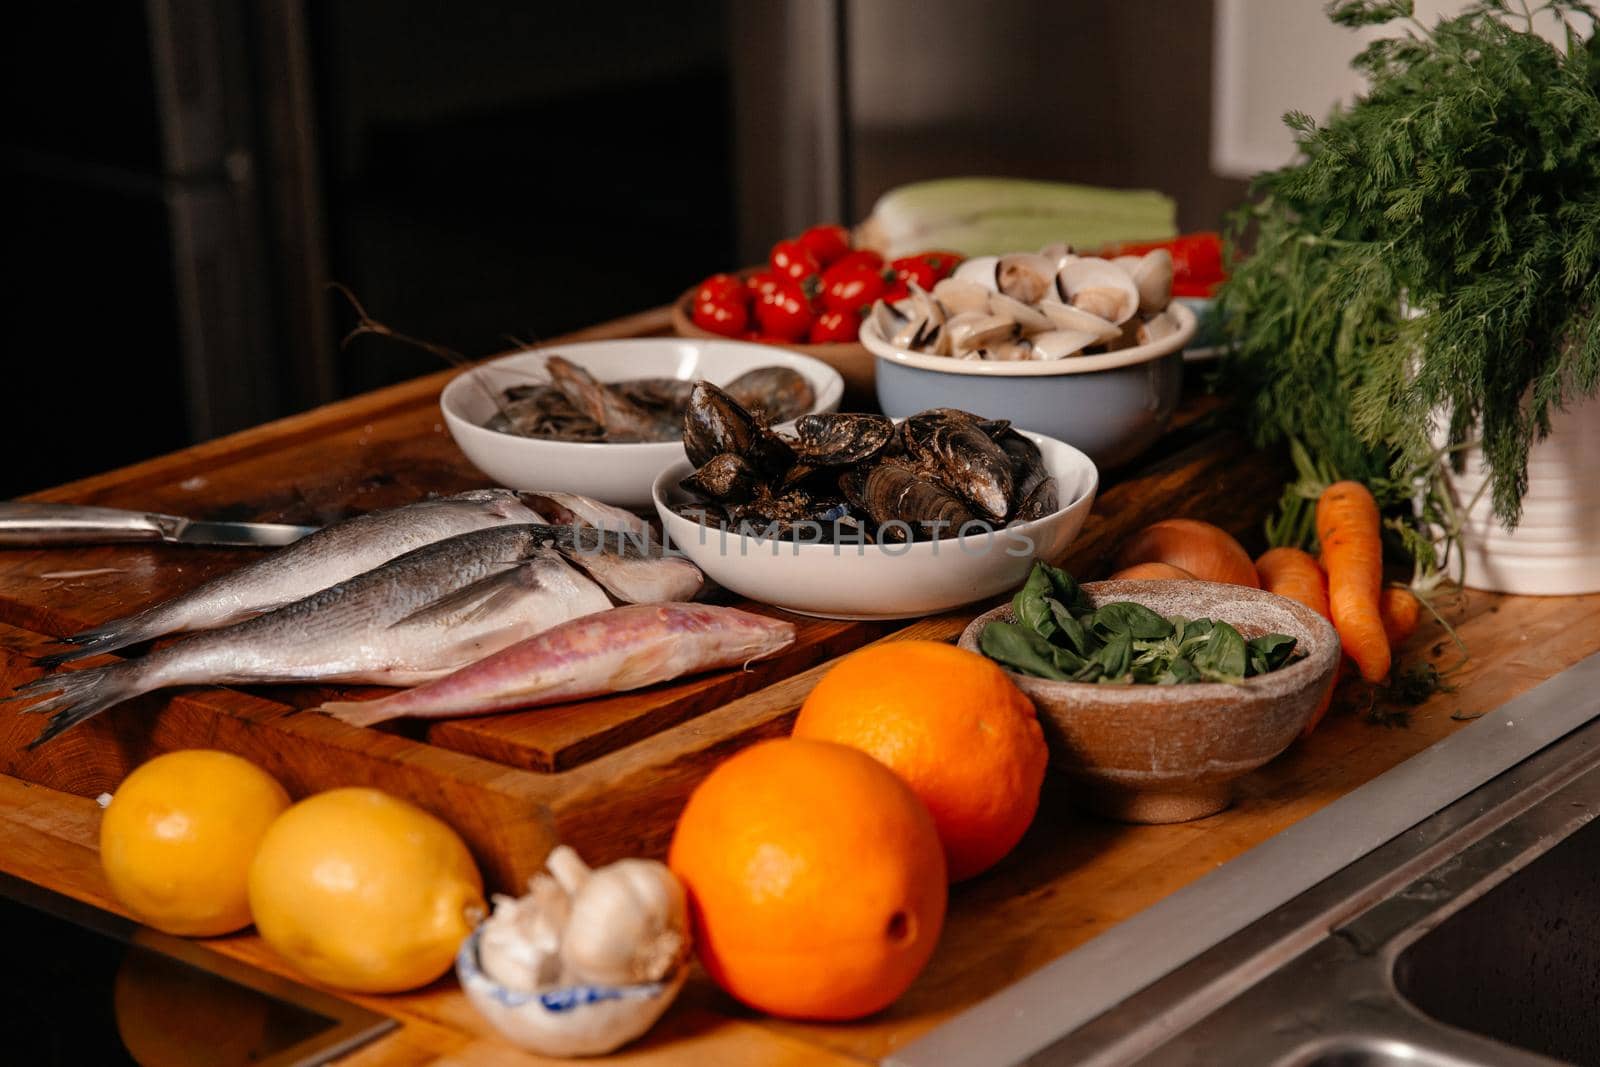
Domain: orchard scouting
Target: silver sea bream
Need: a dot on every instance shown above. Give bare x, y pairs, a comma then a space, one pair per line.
312, 563
417, 617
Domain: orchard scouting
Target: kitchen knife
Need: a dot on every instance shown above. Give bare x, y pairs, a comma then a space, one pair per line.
30, 524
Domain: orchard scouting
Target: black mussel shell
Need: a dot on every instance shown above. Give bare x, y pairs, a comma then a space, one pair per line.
966, 459
835, 439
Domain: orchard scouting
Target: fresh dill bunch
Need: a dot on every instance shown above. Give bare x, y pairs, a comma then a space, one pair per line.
1436, 249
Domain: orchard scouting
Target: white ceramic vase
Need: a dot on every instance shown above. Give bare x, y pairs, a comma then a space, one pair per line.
1555, 549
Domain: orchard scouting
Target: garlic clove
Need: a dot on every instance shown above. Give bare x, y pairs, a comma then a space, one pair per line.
568, 868
520, 944
629, 924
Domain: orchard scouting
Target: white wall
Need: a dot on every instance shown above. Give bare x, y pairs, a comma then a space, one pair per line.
1274, 56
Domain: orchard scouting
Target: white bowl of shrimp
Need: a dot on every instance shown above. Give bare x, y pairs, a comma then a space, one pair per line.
599, 419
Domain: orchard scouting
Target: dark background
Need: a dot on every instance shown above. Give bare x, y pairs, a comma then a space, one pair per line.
187, 176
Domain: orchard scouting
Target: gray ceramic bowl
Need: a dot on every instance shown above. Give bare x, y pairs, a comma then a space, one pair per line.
1170, 753
1111, 406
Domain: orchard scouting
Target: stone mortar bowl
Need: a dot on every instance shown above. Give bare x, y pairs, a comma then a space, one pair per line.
1171, 753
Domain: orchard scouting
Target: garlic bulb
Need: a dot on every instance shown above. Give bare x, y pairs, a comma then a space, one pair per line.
520, 946
629, 924
584, 963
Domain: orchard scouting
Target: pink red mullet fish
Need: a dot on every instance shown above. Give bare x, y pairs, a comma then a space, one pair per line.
612, 651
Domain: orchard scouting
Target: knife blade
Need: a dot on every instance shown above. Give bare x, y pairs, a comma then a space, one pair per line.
32, 524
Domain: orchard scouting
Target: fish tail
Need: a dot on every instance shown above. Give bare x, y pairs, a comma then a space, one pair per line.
360, 712
76, 696
118, 633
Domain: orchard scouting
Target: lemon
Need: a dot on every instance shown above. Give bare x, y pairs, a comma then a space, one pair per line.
363, 891
177, 840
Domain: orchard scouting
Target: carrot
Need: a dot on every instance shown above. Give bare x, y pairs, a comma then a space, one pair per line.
1208, 552
1144, 572
1400, 610
1293, 573
1352, 550
1327, 701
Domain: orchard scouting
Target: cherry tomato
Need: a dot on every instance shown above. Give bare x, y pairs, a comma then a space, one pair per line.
853, 290
785, 312
760, 283
728, 316
851, 260
719, 287
833, 327
792, 260
826, 242
1196, 260
897, 291
915, 269
944, 264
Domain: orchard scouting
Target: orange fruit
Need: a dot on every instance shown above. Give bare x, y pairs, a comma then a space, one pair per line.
816, 880
953, 726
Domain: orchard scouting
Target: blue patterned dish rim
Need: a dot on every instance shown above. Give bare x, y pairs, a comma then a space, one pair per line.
563, 999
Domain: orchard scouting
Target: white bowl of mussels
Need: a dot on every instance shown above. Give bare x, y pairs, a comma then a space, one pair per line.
1084, 349
603, 418
856, 516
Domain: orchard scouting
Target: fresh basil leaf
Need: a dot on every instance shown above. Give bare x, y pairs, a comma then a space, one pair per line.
1223, 656
1069, 630
1028, 607
1179, 672
1270, 651
1126, 617
1059, 634
1020, 648
1147, 669
1115, 657
1065, 588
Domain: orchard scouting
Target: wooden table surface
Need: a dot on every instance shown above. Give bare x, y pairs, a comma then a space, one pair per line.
1072, 877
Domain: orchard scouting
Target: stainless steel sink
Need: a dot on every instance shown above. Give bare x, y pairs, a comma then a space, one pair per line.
1522, 963
1468, 935
1478, 947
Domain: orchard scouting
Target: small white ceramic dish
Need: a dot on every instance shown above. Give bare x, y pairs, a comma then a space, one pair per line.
894, 581
618, 474
582, 1020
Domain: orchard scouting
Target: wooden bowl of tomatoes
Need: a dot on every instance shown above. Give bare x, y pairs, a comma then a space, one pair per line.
810, 296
